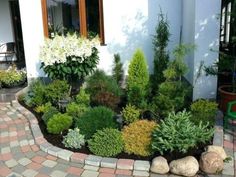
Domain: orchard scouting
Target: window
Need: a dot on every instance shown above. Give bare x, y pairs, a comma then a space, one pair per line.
83, 16
226, 21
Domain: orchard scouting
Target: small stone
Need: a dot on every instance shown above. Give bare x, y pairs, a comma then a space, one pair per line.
187, 166
211, 163
217, 149
160, 165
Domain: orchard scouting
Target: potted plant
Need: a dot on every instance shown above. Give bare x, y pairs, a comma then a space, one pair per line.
226, 66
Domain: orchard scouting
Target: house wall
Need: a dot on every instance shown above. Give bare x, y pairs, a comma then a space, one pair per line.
6, 30
32, 29
129, 26
201, 26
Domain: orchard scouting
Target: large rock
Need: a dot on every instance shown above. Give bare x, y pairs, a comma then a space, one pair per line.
160, 165
211, 163
187, 166
217, 149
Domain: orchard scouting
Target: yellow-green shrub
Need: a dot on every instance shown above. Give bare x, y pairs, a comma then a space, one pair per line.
137, 137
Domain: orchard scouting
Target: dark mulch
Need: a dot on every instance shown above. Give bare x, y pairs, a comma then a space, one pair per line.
56, 140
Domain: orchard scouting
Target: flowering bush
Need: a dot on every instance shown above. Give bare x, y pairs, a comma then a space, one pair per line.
12, 77
69, 57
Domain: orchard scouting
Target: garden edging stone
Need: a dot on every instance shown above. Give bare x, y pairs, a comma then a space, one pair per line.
139, 167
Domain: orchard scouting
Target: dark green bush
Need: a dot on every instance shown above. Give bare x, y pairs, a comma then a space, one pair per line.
138, 78
58, 123
36, 96
161, 56
117, 70
205, 111
57, 90
107, 142
177, 133
49, 114
101, 84
95, 119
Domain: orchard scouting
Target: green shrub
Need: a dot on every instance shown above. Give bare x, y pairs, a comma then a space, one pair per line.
130, 114
117, 70
138, 78
57, 90
83, 97
12, 77
205, 111
172, 93
95, 119
36, 96
107, 142
76, 110
178, 133
161, 56
58, 123
101, 84
137, 137
73, 139
49, 114
43, 108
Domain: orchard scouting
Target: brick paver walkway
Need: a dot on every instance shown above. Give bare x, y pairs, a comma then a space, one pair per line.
20, 156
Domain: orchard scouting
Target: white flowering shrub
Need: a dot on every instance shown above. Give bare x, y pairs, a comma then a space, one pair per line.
73, 139
69, 57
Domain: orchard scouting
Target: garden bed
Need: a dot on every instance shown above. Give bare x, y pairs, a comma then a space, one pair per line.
56, 140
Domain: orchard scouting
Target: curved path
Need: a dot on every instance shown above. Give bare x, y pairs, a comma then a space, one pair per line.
20, 156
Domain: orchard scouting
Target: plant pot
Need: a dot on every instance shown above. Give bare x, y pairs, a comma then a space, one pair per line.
226, 96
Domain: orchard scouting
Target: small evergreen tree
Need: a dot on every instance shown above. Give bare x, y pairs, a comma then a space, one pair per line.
161, 56
117, 70
138, 79
173, 92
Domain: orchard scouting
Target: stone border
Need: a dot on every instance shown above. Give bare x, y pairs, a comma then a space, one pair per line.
138, 166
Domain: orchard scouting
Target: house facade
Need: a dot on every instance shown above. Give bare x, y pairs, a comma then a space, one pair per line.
123, 26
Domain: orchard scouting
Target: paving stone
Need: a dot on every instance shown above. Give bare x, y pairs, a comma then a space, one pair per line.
45, 170
93, 160
157, 175
88, 173
53, 150
5, 150
14, 144
140, 173
62, 167
141, 165
65, 154
45, 146
49, 163
14, 175
29, 173
19, 169
90, 167
24, 161
228, 137
24, 143
109, 162
218, 138
58, 173
125, 164
11, 163
78, 157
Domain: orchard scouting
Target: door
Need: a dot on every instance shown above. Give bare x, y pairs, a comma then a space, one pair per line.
16, 23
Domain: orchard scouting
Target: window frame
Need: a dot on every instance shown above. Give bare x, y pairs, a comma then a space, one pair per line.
82, 17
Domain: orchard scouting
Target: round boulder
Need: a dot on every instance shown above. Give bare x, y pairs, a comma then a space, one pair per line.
211, 163
217, 149
160, 165
187, 166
